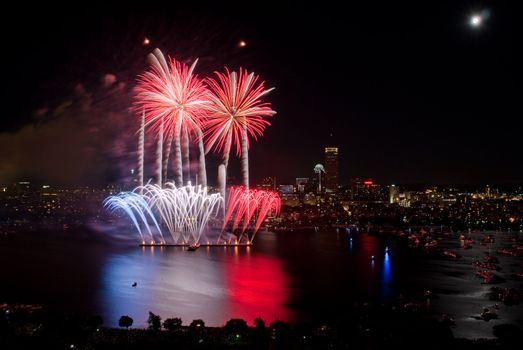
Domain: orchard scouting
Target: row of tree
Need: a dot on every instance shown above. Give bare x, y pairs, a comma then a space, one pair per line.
172, 324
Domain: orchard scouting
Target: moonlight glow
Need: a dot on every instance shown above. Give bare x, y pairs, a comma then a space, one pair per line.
476, 20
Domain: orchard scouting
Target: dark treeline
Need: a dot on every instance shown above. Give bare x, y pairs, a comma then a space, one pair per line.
364, 326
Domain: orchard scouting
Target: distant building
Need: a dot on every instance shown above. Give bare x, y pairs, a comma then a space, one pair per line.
366, 190
394, 192
331, 169
268, 183
286, 189
288, 196
302, 183
404, 199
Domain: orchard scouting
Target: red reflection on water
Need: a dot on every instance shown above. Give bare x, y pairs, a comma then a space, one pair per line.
257, 287
366, 263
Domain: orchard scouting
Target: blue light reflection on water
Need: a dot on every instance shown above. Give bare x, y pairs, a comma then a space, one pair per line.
386, 278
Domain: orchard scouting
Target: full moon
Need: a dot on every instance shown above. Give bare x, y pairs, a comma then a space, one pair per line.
476, 20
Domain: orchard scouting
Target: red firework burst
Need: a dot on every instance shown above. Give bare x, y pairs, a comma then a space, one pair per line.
250, 205
235, 104
172, 94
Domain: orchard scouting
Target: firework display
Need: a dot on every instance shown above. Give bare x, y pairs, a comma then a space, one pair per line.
235, 113
246, 206
174, 102
176, 106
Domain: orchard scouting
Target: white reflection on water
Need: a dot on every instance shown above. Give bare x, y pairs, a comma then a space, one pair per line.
213, 284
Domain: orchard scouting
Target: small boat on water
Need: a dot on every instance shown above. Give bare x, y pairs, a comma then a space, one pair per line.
451, 254
487, 276
488, 314
193, 247
431, 244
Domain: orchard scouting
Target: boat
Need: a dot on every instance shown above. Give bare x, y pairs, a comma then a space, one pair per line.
450, 254
488, 277
431, 244
193, 247
488, 314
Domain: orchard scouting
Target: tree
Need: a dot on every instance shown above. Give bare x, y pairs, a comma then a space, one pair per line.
154, 321
125, 321
172, 324
197, 325
197, 331
260, 335
236, 325
280, 333
236, 328
259, 323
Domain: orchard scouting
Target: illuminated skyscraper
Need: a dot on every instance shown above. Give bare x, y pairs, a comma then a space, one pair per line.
394, 192
331, 169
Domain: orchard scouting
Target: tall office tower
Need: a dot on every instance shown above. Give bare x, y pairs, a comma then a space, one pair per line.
331, 169
394, 192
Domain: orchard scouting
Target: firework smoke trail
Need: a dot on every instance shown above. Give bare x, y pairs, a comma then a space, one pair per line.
134, 204
167, 154
141, 150
159, 154
185, 155
178, 165
245, 173
201, 166
171, 93
245, 157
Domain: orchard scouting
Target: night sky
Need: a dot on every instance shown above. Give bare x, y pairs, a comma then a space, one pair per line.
410, 92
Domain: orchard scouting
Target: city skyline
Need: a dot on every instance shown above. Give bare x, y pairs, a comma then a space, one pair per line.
408, 93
